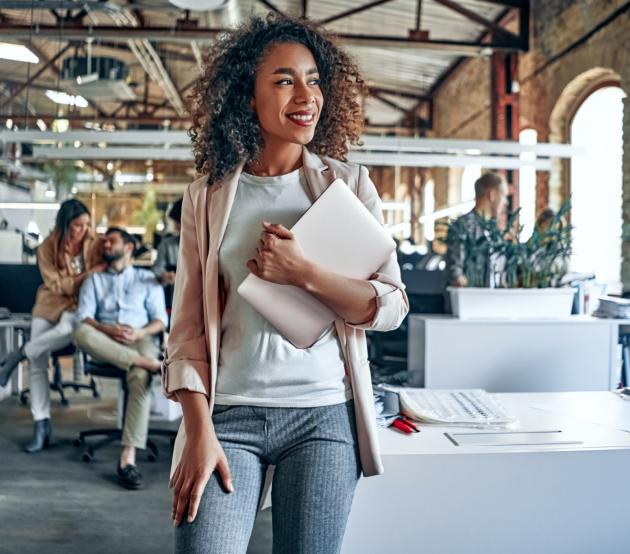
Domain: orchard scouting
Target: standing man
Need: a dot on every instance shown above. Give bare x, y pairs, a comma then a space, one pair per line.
491, 193
166, 261
120, 312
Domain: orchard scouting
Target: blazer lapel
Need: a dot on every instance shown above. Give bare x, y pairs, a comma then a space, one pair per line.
219, 207
318, 175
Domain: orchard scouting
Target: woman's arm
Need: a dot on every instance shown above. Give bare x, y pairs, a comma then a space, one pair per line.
281, 260
186, 358
378, 303
202, 456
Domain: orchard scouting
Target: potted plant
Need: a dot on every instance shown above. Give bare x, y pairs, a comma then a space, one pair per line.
511, 278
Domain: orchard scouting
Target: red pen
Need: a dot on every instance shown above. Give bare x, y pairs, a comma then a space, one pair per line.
410, 423
402, 426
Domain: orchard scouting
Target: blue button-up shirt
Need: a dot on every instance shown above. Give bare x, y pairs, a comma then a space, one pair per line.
132, 297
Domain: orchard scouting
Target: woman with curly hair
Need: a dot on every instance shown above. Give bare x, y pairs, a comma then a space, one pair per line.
274, 112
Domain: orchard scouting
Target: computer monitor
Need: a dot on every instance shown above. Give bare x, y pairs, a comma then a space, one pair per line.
18, 286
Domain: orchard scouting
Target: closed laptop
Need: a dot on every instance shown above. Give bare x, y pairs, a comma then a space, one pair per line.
337, 232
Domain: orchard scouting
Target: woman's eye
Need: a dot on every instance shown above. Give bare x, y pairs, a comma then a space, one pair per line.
316, 81
283, 81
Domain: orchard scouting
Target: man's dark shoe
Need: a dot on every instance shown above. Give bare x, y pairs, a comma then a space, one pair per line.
9, 364
129, 477
42, 429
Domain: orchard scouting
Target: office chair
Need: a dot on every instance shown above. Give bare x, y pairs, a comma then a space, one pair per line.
99, 369
58, 384
19, 288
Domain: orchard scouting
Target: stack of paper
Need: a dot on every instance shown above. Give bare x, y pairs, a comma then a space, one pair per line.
613, 307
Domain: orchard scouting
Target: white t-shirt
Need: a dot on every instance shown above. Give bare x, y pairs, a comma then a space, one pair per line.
257, 365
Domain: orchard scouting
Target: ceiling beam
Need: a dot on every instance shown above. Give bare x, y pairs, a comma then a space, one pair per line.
495, 29
35, 75
390, 103
353, 11
273, 8
400, 93
170, 34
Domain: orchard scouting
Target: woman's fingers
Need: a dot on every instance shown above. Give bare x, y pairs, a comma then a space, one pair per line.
182, 503
224, 472
195, 498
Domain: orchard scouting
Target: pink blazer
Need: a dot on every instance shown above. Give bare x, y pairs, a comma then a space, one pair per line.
193, 344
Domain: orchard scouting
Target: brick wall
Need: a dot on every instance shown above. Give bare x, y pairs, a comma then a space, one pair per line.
566, 43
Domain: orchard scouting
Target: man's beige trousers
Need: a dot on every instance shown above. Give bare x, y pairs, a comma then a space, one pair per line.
105, 349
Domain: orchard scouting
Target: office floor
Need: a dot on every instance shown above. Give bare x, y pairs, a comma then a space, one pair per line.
53, 502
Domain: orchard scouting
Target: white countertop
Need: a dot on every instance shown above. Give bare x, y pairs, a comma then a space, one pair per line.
578, 319
593, 420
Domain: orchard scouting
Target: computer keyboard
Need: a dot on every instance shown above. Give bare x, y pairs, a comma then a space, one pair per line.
453, 407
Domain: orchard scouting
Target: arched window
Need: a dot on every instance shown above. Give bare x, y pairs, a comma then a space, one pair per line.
596, 185
527, 184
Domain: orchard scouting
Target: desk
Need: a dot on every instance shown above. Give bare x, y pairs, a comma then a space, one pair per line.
9, 340
580, 353
438, 498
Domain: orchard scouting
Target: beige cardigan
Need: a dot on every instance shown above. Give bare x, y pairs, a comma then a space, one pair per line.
194, 341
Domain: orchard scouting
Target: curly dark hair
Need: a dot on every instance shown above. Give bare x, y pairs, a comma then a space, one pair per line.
225, 130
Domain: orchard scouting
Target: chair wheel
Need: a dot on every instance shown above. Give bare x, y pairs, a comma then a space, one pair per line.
76, 389
64, 402
87, 457
78, 442
96, 394
23, 400
152, 457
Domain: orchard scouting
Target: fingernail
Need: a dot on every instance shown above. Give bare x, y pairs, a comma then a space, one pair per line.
190, 519
265, 223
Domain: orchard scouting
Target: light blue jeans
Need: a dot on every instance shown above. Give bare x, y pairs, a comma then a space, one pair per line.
316, 459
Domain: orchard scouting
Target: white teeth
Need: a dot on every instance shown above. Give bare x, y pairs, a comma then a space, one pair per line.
302, 117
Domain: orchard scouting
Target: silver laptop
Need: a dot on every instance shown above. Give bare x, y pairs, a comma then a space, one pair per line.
337, 232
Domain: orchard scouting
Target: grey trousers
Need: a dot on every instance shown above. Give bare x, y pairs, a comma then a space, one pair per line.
317, 467
104, 348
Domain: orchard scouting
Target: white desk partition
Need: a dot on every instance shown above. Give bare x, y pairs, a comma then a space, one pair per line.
579, 353
438, 498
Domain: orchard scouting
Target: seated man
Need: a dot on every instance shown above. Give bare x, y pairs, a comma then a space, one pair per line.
119, 312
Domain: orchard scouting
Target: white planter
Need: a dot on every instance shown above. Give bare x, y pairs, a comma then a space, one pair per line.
484, 303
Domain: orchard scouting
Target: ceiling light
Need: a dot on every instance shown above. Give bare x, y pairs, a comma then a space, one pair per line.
9, 124
60, 97
85, 79
42, 125
60, 125
17, 53
200, 5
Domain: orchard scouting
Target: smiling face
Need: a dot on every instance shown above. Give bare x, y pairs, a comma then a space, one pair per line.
78, 228
287, 97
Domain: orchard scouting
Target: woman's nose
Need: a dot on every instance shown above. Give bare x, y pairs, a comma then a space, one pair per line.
303, 94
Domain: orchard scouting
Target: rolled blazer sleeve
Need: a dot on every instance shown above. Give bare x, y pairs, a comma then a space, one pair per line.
392, 304
185, 366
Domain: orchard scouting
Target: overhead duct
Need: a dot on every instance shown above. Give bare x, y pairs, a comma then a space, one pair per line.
97, 78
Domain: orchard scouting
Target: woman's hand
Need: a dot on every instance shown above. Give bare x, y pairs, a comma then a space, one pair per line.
202, 456
280, 258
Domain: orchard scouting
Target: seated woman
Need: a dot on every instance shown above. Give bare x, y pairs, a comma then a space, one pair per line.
65, 259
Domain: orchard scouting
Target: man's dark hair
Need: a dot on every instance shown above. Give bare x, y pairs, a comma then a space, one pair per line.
175, 212
126, 237
487, 181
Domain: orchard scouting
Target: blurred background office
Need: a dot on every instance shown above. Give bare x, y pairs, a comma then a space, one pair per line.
93, 109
